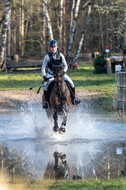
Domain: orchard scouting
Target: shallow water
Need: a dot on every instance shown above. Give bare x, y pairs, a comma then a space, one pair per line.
94, 147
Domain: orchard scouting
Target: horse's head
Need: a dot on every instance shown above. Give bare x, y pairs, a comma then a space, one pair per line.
58, 72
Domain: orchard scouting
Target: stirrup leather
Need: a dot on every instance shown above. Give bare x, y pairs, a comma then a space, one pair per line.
46, 105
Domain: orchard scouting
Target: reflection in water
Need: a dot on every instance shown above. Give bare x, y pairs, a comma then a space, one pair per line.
122, 151
58, 171
89, 159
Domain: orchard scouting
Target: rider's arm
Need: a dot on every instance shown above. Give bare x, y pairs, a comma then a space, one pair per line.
64, 63
45, 62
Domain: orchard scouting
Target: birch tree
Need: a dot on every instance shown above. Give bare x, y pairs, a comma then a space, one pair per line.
72, 13
61, 24
64, 28
48, 21
21, 28
83, 34
9, 36
76, 11
4, 35
2, 15
43, 37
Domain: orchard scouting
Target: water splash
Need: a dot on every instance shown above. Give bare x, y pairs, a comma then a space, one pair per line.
32, 123
29, 134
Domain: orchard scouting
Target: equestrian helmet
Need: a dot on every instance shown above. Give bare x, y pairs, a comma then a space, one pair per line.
53, 43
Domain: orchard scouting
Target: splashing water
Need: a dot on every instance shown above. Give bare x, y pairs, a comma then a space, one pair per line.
32, 122
29, 134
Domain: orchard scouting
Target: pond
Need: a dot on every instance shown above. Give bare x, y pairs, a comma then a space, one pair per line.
92, 146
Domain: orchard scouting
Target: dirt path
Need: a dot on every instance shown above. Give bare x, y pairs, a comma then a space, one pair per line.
14, 99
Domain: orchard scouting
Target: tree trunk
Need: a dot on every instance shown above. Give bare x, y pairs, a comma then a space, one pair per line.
106, 26
76, 11
1, 27
21, 28
64, 28
61, 25
101, 31
13, 29
4, 36
115, 33
43, 30
83, 33
48, 20
72, 12
9, 36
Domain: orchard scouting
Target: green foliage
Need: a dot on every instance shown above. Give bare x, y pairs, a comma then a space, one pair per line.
100, 63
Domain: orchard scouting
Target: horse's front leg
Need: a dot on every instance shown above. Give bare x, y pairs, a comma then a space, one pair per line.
64, 120
63, 124
65, 112
55, 117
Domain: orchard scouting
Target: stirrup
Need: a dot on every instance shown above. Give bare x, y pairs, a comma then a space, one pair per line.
75, 101
46, 105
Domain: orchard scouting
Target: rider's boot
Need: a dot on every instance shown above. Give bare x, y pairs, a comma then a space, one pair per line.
74, 100
46, 103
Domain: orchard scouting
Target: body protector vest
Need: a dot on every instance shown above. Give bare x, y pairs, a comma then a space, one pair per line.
54, 63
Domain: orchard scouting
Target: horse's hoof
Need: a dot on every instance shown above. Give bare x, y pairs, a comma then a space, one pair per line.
62, 130
56, 155
62, 155
55, 129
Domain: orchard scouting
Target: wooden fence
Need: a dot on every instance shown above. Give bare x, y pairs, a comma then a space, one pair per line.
35, 66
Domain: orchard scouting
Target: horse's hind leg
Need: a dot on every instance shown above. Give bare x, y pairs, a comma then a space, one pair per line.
55, 117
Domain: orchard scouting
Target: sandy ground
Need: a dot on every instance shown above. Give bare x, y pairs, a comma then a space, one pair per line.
14, 99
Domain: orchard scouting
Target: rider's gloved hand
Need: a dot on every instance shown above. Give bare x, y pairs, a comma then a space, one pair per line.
45, 78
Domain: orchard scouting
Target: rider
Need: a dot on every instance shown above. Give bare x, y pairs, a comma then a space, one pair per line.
48, 62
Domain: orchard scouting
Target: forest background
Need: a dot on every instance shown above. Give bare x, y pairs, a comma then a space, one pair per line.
80, 26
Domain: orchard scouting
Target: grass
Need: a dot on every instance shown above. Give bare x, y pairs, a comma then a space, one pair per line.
89, 184
18, 81
83, 77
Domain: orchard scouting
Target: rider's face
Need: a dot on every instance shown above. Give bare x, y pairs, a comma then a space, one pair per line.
54, 49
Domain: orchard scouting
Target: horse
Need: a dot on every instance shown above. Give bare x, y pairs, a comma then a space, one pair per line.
58, 170
59, 100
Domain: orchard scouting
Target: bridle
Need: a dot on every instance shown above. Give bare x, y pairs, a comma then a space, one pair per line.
58, 76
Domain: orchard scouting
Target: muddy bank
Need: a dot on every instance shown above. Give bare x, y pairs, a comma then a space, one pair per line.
12, 100
16, 99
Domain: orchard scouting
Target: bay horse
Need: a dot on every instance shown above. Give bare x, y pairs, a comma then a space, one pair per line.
60, 99
58, 170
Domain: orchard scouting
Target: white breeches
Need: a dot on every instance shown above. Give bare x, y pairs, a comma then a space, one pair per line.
52, 78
